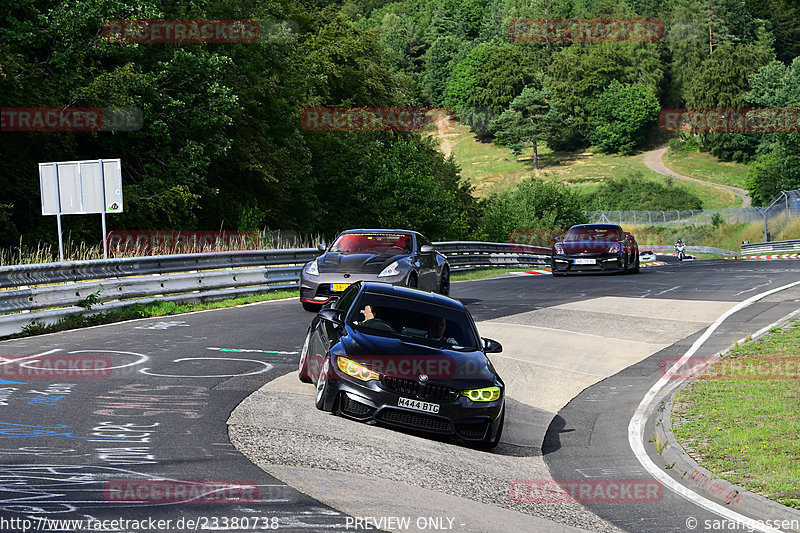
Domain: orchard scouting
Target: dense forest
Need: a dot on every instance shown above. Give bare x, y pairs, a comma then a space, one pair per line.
221, 143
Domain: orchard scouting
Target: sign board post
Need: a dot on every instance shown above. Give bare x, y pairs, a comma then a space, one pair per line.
81, 187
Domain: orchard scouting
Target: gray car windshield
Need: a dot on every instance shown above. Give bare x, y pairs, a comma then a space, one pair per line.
414, 321
373, 243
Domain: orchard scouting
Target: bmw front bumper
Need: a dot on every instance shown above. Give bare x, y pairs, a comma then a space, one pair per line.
373, 401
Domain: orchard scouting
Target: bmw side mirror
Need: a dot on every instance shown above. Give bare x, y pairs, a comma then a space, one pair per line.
332, 315
322, 247
426, 249
559, 239
491, 346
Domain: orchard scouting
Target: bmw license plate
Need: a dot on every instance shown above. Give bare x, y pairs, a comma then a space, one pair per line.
418, 405
585, 261
339, 287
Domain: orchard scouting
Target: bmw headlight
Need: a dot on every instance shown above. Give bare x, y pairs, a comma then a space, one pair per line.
351, 368
390, 270
559, 249
487, 394
312, 268
616, 248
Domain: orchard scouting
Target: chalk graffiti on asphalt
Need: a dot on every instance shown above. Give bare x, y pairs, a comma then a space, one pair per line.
140, 400
13, 431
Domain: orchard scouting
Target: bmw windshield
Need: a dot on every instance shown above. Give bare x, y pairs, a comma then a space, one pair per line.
412, 321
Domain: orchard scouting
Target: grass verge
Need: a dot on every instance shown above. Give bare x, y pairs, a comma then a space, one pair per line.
740, 419
490, 168
153, 309
704, 166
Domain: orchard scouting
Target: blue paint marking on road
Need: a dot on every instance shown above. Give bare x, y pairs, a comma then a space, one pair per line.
10, 431
249, 350
5, 382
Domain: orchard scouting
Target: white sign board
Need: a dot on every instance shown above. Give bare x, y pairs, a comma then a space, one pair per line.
81, 187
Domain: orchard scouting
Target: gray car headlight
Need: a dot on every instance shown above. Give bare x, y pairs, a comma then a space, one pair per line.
390, 270
312, 268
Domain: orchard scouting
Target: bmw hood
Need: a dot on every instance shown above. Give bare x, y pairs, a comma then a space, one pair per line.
406, 359
356, 263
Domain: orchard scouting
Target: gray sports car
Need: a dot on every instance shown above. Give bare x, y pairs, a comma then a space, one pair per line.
398, 257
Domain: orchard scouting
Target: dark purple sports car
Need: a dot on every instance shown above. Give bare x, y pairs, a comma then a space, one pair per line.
595, 248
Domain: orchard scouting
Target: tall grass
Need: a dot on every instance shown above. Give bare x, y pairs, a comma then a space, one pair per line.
726, 236
78, 251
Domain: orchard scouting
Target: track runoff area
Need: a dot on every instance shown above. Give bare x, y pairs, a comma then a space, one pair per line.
201, 418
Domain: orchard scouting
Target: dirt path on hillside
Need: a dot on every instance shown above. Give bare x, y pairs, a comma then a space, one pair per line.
445, 134
654, 162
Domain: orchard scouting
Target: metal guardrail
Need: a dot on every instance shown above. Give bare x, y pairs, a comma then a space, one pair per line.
49, 291
760, 248
689, 249
472, 255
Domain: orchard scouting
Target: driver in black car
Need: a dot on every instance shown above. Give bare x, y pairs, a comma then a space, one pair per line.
372, 318
436, 328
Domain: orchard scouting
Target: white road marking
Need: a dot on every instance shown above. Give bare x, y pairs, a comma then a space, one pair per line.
667, 290
548, 366
553, 329
5, 360
637, 423
267, 368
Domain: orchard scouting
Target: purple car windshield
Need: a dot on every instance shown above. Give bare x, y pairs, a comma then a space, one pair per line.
593, 234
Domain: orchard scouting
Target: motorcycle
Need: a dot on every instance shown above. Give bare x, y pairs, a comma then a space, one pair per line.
681, 249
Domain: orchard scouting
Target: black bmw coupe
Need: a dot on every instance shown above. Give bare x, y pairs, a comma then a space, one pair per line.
405, 358
399, 257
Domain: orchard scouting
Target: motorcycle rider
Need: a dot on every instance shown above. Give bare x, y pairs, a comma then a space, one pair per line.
680, 247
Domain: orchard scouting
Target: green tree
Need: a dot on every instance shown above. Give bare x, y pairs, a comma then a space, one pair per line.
440, 59
694, 29
721, 80
485, 83
622, 117
633, 192
533, 204
778, 169
531, 118
578, 75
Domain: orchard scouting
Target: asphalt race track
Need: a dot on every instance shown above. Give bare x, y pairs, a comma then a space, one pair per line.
580, 354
